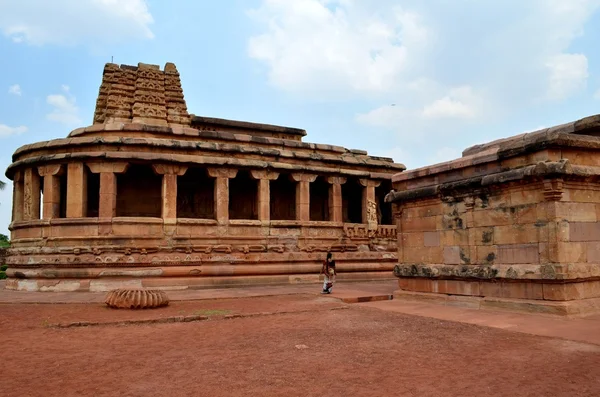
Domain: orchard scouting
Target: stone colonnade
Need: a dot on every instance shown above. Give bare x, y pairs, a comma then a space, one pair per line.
27, 188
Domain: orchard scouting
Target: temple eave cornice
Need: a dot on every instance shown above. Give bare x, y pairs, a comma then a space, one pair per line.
542, 170
224, 161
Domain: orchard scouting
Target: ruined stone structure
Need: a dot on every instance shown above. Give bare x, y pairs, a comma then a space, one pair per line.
512, 224
152, 196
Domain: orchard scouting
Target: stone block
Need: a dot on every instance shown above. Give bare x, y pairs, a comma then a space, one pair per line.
490, 288
492, 217
584, 196
515, 234
571, 252
454, 237
418, 285
584, 231
423, 211
525, 196
485, 254
593, 252
577, 212
572, 291
456, 287
403, 283
518, 253
481, 236
525, 214
452, 255
447, 238
415, 239
431, 239
423, 254
522, 290
419, 224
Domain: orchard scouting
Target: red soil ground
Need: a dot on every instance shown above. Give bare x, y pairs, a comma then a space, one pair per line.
307, 349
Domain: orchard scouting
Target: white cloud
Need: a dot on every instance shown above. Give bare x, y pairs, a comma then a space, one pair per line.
384, 116
568, 74
409, 69
456, 104
15, 89
64, 108
67, 22
7, 131
447, 108
460, 103
323, 45
378, 50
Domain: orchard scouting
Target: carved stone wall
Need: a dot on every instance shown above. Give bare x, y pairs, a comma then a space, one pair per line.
515, 225
150, 196
142, 94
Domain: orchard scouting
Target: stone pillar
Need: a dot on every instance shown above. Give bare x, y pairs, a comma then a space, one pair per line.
222, 176
335, 198
31, 196
368, 195
76, 190
51, 175
108, 187
170, 173
264, 192
18, 194
303, 195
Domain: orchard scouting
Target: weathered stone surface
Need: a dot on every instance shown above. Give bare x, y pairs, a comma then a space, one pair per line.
517, 215
136, 299
151, 196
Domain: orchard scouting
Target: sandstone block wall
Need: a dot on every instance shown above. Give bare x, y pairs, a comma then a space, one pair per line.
518, 220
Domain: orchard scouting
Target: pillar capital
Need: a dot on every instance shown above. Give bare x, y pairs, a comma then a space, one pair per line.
170, 169
302, 177
51, 170
336, 180
369, 182
116, 168
264, 174
222, 173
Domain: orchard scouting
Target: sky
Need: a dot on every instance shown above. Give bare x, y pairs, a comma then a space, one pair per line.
418, 81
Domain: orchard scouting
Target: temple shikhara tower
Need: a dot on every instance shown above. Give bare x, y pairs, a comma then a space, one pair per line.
150, 195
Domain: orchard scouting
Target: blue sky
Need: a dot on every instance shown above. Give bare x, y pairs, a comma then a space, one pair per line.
417, 81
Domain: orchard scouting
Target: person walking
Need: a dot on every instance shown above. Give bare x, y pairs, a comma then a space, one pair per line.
328, 270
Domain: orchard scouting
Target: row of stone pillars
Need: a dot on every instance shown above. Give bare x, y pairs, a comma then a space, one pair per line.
26, 194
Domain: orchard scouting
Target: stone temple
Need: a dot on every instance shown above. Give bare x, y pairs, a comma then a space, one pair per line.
513, 224
152, 196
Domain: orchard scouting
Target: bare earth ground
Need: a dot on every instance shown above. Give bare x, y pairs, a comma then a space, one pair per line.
313, 346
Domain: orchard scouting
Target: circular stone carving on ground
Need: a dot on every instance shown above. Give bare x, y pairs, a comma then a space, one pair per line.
136, 299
